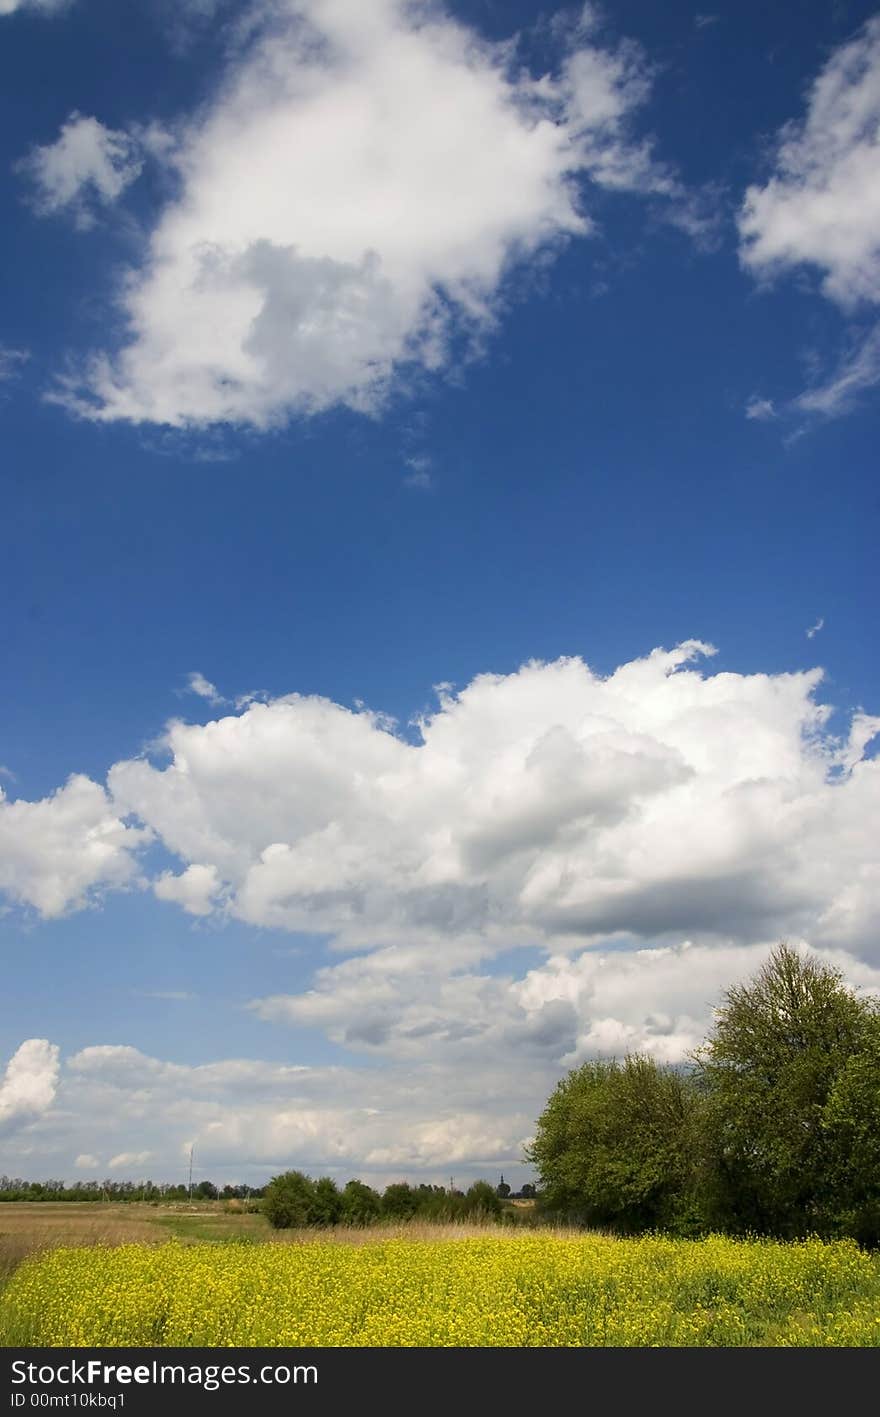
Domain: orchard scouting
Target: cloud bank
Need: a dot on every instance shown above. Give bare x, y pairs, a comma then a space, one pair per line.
337, 228
454, 1083
547, 806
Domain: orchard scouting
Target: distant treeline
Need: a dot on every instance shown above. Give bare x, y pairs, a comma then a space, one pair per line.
399, 1200
293, 1200
12, 1188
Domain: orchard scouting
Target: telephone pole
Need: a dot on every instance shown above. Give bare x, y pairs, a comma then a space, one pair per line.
191, 1150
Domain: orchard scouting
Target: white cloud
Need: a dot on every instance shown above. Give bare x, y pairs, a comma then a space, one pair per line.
857, 371
128, 1159
337, 224
29, 1084
761, 409
87, 164
821, 206
86, 1162
468, 1060
820, 209
247, 1118
814, 629
549, 806
196, 889
57, 853
198, 684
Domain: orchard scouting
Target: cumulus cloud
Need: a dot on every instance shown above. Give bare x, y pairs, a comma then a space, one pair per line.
56, 854
820, 208
546, 806
87, 165
196, 889
86, 1162
29, 1084
337, 225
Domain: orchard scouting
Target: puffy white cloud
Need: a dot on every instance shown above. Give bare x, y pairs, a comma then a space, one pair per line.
86, 1162
196, 889
29, 1084
87, 164
540, 806
337, 223
821, 206
57, 853
546, 806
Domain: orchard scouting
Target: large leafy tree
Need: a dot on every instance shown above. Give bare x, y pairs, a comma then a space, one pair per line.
615, 1146
852, 1145
782, 1084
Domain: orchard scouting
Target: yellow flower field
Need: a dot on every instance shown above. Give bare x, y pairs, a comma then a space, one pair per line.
498, 1291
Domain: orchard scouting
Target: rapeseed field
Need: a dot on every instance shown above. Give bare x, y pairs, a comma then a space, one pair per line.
494, 1291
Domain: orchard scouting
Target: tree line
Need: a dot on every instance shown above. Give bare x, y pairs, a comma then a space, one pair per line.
293, 1200
772, 1129
13, 1188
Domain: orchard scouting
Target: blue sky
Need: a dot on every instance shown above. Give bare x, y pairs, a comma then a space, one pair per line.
346, 358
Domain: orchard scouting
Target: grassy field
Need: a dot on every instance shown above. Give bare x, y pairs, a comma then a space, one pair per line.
102, 1277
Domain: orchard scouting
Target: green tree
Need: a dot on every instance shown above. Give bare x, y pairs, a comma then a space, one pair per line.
400, 1201
289, 1200
615, 1147
851, 1124
326, 1203
774, 1073
360, 1204
482, 1201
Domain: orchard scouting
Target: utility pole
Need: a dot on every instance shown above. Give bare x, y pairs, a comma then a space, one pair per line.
191, 1150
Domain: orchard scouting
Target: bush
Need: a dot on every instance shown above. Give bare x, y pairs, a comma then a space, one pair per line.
482, 1201
289, 1201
